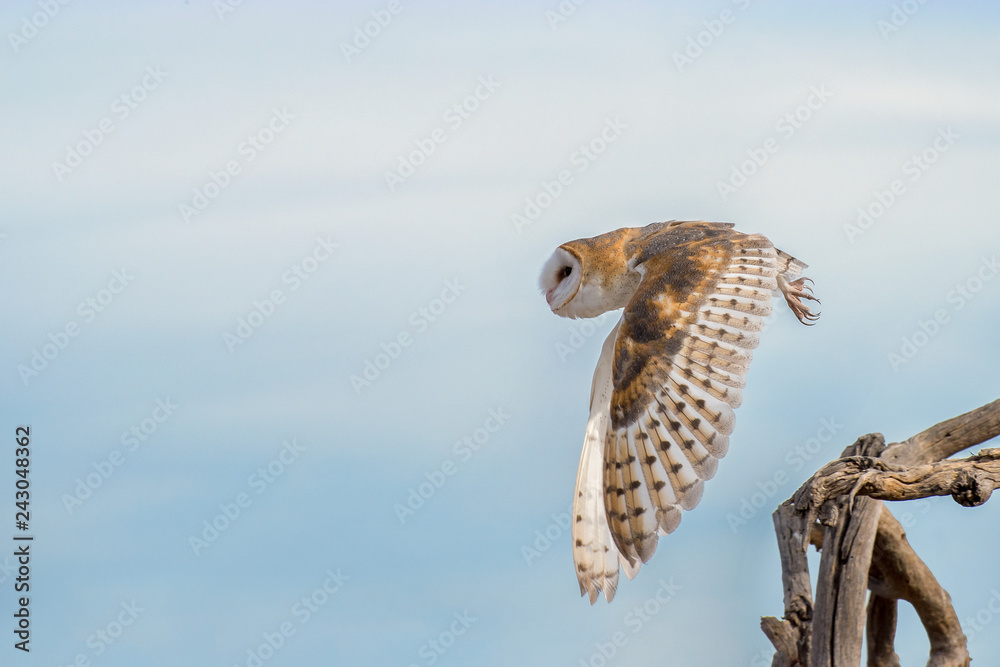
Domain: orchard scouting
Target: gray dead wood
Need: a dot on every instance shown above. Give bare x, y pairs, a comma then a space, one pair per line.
791, 636
947, 438
901, 575
864, 547
882, 631
842, 583
970, 481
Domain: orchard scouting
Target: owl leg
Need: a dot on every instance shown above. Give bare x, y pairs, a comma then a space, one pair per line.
794, 292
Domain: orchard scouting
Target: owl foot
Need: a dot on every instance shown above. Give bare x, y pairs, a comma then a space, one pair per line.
794, 292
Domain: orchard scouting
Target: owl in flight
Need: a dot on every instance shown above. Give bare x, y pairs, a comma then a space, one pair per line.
669, 375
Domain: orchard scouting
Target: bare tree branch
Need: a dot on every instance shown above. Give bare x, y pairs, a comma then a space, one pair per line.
947, 438
842, 584
881, 631
785, 638
864, 547
790, 527
901, 574
969, 481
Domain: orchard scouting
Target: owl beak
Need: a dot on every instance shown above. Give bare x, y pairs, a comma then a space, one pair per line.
548, 296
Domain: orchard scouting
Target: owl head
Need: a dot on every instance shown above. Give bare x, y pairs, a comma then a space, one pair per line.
587, 277
560, 282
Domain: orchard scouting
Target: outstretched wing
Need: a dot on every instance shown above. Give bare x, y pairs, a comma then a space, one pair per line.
680, 358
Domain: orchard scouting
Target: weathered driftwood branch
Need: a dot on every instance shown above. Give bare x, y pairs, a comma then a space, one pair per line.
881, 629
864, 547
842, 582
898, 573
969, 481
791, 637
947, 438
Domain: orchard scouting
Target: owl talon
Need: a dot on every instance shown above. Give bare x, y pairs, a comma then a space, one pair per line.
794, 292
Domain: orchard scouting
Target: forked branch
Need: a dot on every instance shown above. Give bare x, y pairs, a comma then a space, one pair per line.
864, 547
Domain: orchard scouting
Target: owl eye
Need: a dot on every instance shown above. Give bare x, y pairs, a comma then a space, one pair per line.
566, 271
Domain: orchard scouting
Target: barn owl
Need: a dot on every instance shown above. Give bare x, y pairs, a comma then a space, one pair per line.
670, 373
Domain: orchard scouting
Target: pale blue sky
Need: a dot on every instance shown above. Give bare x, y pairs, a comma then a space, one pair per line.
273, 426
